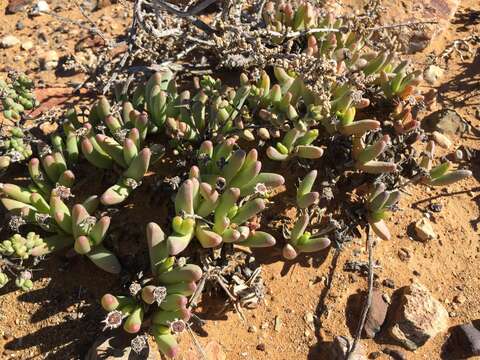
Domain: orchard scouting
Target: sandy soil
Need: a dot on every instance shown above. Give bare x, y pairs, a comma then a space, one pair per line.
59, 319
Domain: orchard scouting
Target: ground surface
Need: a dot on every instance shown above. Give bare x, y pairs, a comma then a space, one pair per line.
59, 319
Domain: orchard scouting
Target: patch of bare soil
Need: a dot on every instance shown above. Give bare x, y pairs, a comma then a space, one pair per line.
308, 301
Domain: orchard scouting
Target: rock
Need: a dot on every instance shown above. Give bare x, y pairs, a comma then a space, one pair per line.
376, 314
459, 299
49, 60
388, 283
464, 342
432, 74
19, 25
418, 317
261, 347
403, 254
40, 7
394, 354
93, 5
27, 45
342, 344
445, 121
424, 229
9, 41
15, 6
442, 140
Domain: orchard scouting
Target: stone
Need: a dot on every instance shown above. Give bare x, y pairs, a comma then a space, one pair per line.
19, 25
49, 60
15, 6
442, 140
433, 74
463, 342
93, 5
459, 299
40, 7
27, 45
424, 229
394, 354
418, 317
341, 346
9, 41
376, 314
445, 121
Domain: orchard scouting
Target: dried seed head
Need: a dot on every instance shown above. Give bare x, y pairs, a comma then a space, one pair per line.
139, 343
203, 159
220, 184
15, 222
113, 320
134, 288
132, 183
43, 220
120, 135
83, 131
178, 326
181, 261
25, 275
159, 294
44, 149
15, 156
87, 224
63, 192
261, 189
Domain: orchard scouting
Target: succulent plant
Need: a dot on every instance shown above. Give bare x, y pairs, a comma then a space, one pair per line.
297, 142
220, 200
70, 227
161, 298
365, 156
440, 175
17, 96
299, 240
14, 148
379, 203
302, 241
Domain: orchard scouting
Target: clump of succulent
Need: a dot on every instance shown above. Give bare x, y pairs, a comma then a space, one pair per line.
21, 247
119, 144
73, 226
14, 147
17, 96
440, 175
50, 172
211, 111
379, 204
23, 278
299, 240
158, 302
220, 201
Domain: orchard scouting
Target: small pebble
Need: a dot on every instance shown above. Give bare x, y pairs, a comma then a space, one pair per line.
252, 329
261, 347
388, 283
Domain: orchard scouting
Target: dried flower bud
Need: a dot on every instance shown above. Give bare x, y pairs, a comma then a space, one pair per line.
113, 320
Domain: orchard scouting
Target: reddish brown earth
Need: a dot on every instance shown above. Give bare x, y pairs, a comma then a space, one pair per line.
59, 318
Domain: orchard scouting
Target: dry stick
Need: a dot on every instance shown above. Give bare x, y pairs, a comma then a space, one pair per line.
405, 24
368, 301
